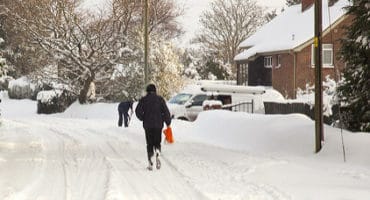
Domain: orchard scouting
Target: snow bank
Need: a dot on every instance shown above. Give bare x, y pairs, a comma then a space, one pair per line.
286, 135
255, 132
91, 111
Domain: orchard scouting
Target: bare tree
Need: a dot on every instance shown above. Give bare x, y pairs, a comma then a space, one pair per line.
227, 24
162, 19
292, 2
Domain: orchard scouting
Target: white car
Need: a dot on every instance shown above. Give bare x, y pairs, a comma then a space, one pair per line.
186, 106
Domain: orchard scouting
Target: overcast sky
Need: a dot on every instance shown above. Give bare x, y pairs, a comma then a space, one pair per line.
194, 8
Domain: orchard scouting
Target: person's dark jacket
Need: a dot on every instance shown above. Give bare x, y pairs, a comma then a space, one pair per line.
153, 111
125, 106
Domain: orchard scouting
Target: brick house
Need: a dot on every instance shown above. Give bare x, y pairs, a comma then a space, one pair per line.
280, 53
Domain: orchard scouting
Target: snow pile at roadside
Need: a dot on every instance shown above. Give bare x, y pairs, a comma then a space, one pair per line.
286, 135
254, 132
91, 111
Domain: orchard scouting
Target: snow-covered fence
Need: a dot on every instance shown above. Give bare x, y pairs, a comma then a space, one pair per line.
245, 106
302, 108
54, 101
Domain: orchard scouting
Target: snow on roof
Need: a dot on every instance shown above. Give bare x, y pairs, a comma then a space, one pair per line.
289, 29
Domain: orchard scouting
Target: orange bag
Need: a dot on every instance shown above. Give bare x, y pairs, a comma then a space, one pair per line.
168, 133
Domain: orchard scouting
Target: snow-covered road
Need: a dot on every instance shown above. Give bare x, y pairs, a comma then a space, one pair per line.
82, 155
53, 158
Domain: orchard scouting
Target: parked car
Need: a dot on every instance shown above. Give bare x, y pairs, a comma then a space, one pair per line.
187, 104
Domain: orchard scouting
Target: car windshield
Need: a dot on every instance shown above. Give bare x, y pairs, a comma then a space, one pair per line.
180, 98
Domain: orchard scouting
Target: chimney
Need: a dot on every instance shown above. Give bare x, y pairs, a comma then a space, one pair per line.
307, 4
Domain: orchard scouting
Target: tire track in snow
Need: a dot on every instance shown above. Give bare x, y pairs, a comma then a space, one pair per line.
64, 161
28, 152
38, 166
126, 164
98, 162
209, 163
187, 182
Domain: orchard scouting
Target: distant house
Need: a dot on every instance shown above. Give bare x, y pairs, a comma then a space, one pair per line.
280, 53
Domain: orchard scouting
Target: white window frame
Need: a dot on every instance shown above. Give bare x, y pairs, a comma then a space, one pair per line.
327, 50
278, 61
267, 61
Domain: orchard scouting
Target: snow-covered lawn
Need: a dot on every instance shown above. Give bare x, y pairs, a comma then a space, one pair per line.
82, 155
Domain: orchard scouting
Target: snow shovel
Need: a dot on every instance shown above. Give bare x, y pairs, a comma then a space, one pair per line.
168, 135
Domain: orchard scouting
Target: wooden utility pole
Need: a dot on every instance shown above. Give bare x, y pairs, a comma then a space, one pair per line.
146, 42
319, 132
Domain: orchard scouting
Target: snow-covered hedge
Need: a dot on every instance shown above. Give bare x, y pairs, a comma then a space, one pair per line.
21, 88
54, 101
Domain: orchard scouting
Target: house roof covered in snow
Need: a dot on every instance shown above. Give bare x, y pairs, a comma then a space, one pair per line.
290, 29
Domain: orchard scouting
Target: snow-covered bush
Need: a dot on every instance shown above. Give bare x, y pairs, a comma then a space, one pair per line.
202, 64
4, 68
54, 101
329, 96
165, 68
21, 88
308, 95
4, 82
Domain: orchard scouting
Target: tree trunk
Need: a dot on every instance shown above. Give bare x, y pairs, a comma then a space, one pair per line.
82, 98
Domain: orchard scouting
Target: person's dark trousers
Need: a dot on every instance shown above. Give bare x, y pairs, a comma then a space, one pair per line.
120, 119
153, 140
125, 118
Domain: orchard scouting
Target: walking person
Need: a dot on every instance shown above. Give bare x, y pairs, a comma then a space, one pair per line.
123, 109
153, 111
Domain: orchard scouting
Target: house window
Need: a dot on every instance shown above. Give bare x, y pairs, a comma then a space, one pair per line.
268, 61
327, 55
